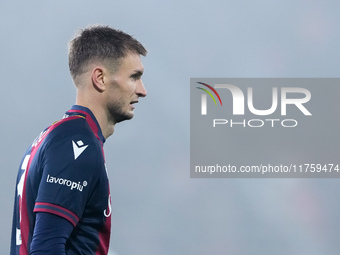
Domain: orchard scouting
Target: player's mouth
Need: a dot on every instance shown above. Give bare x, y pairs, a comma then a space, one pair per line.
133, 102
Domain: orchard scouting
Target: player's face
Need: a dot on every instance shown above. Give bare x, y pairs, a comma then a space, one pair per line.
125, 88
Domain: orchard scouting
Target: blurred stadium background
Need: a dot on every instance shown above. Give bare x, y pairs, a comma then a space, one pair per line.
157, 208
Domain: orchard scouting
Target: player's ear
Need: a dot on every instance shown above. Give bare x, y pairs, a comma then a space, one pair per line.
97, 77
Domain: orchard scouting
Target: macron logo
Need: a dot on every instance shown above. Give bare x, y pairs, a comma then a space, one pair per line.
78, 148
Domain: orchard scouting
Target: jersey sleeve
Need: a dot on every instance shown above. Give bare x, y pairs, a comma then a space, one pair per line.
50, 235
71, 169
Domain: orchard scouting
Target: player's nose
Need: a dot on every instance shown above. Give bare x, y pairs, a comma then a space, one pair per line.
141, 91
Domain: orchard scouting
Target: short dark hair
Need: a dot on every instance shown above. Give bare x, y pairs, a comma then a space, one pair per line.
101, 43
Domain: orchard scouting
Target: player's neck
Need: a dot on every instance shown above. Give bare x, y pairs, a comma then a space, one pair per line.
107, 129
106, 126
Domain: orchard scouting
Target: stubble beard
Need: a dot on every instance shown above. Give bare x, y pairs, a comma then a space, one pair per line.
118, 114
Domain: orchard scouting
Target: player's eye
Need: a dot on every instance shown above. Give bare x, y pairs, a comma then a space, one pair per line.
135, 77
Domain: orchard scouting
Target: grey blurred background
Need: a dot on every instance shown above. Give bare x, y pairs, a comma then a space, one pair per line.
157, 208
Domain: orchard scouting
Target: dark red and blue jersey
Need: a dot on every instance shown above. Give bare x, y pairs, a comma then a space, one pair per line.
64, 173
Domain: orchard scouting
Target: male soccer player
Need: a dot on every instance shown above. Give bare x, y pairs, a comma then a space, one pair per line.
62, 200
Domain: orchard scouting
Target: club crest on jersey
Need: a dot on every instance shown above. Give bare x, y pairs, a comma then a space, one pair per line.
78, 148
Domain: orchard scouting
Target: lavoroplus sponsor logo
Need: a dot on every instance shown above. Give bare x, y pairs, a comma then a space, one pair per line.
68, 183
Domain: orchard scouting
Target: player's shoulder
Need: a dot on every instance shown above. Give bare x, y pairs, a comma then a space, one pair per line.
72, 135
73, 127
69, 126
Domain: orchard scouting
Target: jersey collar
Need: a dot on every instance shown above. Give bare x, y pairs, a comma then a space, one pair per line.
90, 118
